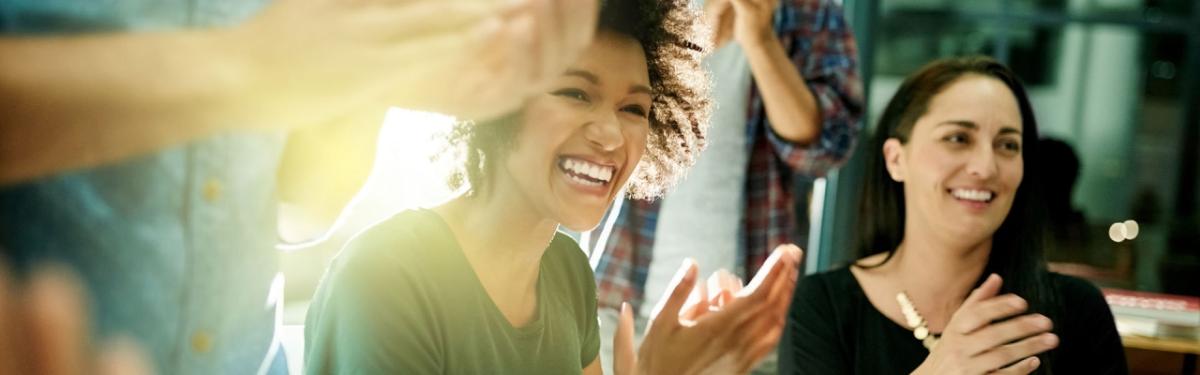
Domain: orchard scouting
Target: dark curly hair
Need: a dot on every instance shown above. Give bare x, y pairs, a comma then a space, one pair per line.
672, 38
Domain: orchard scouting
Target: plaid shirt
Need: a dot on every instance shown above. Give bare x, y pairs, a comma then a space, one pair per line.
815, 34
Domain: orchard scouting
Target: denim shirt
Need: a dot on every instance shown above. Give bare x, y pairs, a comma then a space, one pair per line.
176, 248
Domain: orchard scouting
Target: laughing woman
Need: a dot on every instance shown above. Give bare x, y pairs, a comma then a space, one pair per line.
951, 201
484, 284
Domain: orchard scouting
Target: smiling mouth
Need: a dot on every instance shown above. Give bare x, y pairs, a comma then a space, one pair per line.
586, 173
973, 195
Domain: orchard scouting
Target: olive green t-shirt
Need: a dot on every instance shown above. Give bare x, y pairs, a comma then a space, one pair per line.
401, 298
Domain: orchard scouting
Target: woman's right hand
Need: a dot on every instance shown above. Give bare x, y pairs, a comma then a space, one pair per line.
729, 339
978, 339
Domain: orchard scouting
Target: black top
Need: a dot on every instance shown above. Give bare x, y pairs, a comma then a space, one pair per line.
402, 298
832, 328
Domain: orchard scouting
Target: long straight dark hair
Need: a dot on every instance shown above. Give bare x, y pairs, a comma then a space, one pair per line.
1017, 246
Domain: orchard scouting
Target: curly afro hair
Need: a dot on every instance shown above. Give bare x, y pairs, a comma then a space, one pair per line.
674, 41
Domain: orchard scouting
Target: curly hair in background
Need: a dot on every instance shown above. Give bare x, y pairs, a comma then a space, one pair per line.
673, 39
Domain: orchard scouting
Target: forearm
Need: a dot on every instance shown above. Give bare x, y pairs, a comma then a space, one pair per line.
76, 102
791, 108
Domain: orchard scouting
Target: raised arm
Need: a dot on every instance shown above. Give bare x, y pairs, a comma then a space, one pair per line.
79, 101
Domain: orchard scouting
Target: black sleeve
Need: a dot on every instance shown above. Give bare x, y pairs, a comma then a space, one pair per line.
1089, 342
810, 342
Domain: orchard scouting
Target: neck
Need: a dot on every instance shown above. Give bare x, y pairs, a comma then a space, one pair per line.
501, 232
938, 275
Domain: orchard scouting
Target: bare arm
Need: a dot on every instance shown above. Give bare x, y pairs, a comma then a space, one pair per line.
594, 368
791, 108
75, 102
65, 96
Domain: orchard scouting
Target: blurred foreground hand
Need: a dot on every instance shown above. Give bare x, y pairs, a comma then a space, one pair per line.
44, 330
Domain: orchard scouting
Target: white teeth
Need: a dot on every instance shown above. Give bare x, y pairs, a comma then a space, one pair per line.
583, 167
583, 181
972, 195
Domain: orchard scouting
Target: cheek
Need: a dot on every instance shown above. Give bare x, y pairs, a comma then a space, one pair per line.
929, 166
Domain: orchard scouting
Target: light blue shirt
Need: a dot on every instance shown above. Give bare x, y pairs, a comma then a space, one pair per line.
176, 248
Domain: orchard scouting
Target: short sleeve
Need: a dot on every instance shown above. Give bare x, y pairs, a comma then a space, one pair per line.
590, 344
581, 272
810, 339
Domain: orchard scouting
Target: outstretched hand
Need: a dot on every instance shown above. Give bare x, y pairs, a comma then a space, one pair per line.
726, 334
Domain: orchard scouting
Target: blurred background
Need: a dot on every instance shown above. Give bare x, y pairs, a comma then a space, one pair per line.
1115, 85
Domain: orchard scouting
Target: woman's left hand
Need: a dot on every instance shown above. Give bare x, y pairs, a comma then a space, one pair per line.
730, 339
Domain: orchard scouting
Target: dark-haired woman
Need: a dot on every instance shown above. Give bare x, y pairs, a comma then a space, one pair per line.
952, 279
485, 285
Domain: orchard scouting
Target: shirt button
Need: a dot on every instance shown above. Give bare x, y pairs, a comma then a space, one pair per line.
201, 342
212, 190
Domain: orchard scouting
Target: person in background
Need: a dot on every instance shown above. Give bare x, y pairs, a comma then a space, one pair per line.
787, 101
485, 284
160, 150
952, 279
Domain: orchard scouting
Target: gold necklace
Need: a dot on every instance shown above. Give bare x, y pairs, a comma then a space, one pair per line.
916, 322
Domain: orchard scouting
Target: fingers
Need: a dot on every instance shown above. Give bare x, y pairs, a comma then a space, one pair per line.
774, 268
963, 321
58, 329
624, 359
697, 303
770, 288
1008, 331
1010, 353
974, 317
123, 357
581, 16
989, 289
8, 333
681, 285
1023, 367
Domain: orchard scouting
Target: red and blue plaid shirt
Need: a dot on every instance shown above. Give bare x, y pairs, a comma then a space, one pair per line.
821, 44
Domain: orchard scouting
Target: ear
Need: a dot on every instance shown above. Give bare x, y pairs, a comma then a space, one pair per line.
893, 151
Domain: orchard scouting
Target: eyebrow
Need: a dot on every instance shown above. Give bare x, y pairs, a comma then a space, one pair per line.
593, 79
971, 125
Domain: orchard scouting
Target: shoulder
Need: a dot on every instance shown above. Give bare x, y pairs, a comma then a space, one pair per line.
410, 250
829, 290
1073, 291
405, 238
567, 263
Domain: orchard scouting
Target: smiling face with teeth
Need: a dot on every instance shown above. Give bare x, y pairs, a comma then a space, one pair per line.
962, 163
578, 144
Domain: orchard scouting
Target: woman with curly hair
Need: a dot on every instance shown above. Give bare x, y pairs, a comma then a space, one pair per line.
485, 284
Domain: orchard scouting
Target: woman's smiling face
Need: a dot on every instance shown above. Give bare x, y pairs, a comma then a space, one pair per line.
963, 163
578, 143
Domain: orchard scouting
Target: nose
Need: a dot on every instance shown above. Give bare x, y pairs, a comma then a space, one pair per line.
982, 164
604, 131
